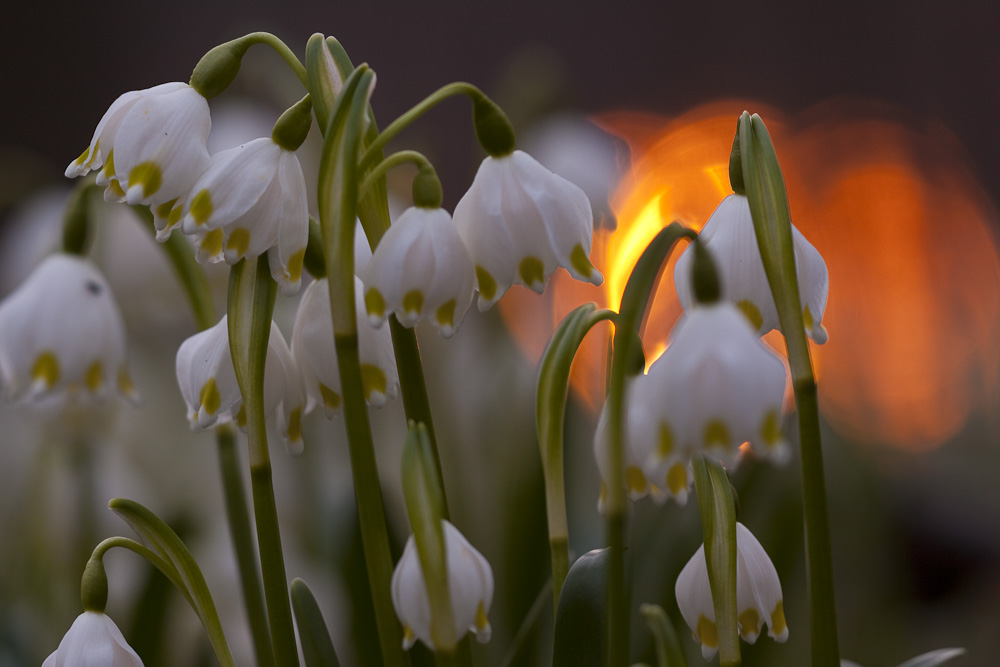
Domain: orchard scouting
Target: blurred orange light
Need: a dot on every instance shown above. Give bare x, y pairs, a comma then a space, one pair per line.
907, 234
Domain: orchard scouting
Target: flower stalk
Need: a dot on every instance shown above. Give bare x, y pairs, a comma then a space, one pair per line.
765, 188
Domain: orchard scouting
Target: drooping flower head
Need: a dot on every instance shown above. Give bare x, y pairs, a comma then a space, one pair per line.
93, 639
251, 200
470, 586
715, 387
61, 331
313, 349
729, 236
208, 383
419, 268
520, 222
758, 595
149, 146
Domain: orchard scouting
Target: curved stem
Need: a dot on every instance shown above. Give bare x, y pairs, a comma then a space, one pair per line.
282, 49
383, 167
401, 123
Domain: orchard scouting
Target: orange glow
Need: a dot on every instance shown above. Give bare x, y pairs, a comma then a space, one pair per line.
907, 234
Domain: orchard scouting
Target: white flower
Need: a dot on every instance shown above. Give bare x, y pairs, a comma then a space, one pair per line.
150, 147
730, 237
61, 331
470, 585
251, 200
208, 384
758, 595
420, 267
313, 349
715, 387
93, 639
520, 221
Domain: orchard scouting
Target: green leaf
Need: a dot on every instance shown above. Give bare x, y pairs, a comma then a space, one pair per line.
581, 624
668, 648
718, 523
184, 571
550, 409
933, 658
317, 647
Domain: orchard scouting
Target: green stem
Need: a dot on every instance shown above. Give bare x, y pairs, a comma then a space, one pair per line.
251, 303
772, 224
282, 49
383, 167
401, 123
199, 293
242, 537
338, 201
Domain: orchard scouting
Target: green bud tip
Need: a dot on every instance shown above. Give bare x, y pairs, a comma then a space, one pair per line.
313, 261
293, 126
219, 67
94, 586
736, 165
427, 188
493, 128
704, 276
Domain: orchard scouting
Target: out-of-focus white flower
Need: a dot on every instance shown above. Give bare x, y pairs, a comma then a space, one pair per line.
520, 221
420, 267
758, 595
150, 146
251, 200
470, 586
208, 384
313, 349
639, 439
93, 639
715, 387
61, 331
730, 237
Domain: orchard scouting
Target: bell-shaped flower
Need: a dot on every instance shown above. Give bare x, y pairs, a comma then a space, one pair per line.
251, 200
715, 387
93, 639
420, 267
61, 331
520, 222
208, 383
150, 147
729, 236
313, 349
470, 587
758, 595
673, 474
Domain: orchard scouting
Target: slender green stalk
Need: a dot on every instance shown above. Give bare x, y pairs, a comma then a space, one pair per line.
338, 188
282, 49
768, 198
395, 127
251, 303
382, 168
199, 295
240, 532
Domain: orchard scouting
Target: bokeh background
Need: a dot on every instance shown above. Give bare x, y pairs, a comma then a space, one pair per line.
883, 115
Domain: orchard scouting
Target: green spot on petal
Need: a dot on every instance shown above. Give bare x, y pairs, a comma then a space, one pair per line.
716, 434
209, 397
445, 314
635, 480
677, 478
175, 216
148, 175
295, 425
749, 621
375, 303
239, 240
413, 301
666, 446
164, 209
94, 377
482, 622
532, 271
115, 188
201, 207
372, 380
83, 156
578, 258
331, 399
708, 634
752, 313
109, 165
487, 285
45, 369
212, 243
295, 265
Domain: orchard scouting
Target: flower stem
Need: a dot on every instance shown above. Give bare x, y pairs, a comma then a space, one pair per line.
251, 303
383, 167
